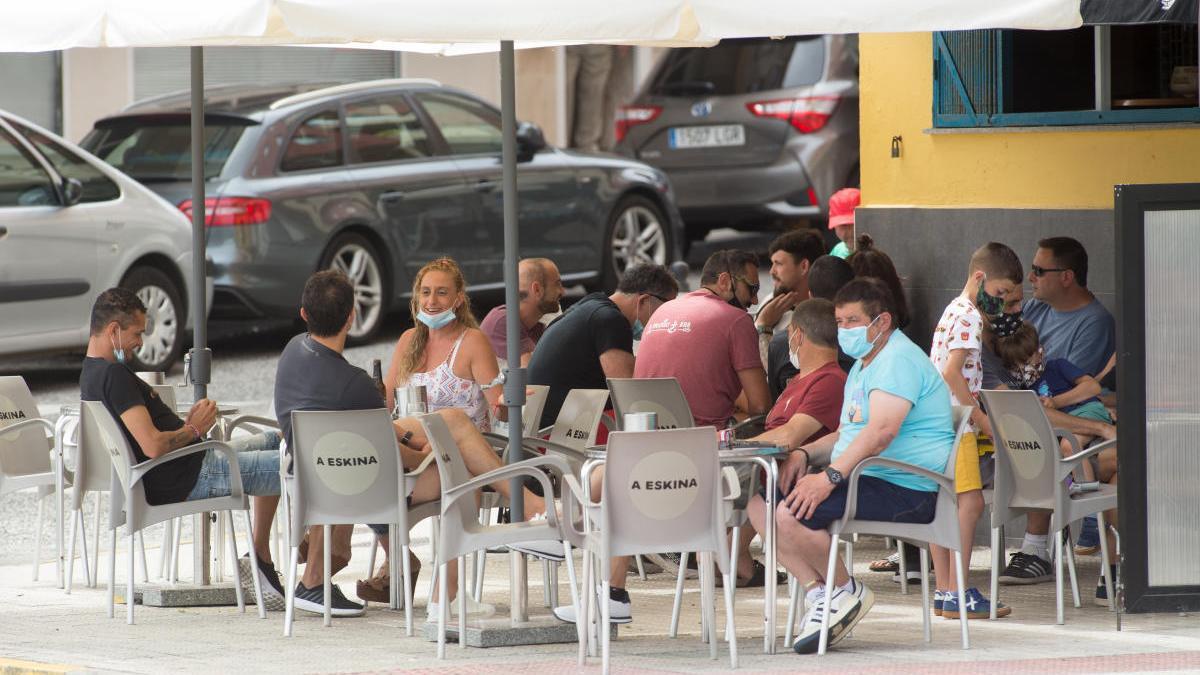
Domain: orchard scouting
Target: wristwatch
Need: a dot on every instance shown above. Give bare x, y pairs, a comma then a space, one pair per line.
406, 439
835, 477
764, 330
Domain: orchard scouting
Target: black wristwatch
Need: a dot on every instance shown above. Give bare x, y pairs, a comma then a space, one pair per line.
835, 477
406, 439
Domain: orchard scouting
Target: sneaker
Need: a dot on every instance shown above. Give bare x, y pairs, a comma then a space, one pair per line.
313, 600
475, 610
669, 562
978, 607
619, 610
1024, 568
547, 549
848, 608
1089, 537
274, 599
938, 599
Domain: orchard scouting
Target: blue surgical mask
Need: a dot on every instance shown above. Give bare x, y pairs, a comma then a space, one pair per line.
436, 321
637, 329
118, 352
854, 342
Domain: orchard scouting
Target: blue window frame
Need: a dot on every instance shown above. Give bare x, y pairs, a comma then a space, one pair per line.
999, 78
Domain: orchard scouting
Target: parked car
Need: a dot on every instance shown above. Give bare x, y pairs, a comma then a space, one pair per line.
72, 226
376, 179
753, 133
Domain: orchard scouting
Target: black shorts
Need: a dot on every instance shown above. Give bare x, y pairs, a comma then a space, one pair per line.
878, 499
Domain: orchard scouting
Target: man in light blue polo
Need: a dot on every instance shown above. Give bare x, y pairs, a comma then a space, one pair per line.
896, 405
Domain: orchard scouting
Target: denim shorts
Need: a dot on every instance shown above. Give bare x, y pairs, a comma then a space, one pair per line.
258, 462
878, 499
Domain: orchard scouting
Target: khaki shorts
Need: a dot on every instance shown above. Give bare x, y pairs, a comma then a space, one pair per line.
966, 469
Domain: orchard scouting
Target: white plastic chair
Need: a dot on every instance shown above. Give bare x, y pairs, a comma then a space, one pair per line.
1031, 475
26, 440
462, 533
942, 531
346, 470
99, 434
662, 490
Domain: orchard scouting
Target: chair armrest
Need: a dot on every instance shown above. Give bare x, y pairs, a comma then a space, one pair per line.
1068, 464
748, 422
943, 481
732, 482
33, 421
574, 494
243, 420
420, 467
608, 422
545, 431
559, 448
529, 467
139, 471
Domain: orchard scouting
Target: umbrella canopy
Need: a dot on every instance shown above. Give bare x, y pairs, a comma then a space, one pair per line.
455, 26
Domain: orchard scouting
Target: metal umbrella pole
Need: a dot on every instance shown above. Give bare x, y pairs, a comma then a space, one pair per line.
514, 384
200, 361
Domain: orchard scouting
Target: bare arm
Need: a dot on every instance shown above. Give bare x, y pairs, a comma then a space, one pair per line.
754, 385
155, 443
484, 367
792, 433
617, 363
952, 374
525, 359
1085, 387
1079, 425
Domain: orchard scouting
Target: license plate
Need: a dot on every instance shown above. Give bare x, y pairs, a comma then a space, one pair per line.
712, 136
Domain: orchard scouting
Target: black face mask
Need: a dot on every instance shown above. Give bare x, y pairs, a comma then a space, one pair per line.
735, 302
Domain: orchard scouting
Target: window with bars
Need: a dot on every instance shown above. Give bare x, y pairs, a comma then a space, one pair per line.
1090, 75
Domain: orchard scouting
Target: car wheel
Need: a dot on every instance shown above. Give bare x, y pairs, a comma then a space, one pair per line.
354, 256
638, 233
163, 340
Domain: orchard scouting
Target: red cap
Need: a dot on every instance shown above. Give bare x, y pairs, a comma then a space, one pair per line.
842, 205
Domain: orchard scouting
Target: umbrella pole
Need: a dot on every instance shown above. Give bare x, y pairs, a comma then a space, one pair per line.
200, 361
514, 385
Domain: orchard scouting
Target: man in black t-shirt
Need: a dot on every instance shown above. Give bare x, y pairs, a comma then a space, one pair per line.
314, 375
152, 430
593, 339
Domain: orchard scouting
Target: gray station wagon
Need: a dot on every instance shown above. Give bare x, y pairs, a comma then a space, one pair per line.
376, 179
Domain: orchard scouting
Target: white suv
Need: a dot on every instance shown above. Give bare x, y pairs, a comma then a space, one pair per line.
72, 226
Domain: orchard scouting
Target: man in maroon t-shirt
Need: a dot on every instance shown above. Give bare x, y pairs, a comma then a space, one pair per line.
706, 340
541, 290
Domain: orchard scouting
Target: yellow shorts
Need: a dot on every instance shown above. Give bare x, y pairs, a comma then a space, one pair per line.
966, 469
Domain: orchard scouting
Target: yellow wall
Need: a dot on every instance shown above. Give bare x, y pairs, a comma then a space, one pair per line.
1009, 169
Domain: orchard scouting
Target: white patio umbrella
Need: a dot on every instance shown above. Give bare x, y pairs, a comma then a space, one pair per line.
462, 26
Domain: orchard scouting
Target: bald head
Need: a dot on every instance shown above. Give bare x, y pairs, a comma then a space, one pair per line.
540, 286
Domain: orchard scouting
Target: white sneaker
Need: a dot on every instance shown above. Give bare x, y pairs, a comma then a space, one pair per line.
618, 612
847, 609
475, 610
549, 549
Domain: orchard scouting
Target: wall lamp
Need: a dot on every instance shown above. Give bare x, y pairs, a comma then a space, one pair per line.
897, 146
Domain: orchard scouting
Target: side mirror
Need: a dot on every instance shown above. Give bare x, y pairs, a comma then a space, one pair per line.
72, 191
530, 140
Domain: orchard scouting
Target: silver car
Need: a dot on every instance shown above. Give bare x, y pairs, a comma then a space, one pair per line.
72, 226
753, 133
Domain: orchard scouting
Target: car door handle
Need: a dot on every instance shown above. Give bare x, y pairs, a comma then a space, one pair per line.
395, 196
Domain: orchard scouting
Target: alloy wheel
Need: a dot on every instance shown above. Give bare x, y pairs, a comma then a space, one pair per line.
638, 238
361, 267
162, 325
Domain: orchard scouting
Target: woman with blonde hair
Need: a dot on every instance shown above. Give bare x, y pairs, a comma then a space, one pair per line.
445, 350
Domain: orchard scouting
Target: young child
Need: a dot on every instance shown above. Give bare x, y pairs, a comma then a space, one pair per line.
994, 272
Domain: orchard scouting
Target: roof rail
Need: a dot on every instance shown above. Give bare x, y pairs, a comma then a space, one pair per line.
348, 88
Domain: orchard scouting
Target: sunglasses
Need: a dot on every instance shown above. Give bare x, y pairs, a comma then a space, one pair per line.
753, 287
658, 297
1042, 271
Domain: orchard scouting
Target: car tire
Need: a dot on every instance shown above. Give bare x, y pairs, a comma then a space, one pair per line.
638, 232
162, 343
358, 259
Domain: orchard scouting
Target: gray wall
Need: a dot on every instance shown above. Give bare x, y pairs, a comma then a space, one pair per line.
931, 249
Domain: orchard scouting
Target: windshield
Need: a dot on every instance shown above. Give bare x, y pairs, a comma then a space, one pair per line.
741, 67
161, 152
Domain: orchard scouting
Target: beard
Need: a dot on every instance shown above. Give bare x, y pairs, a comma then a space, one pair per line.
547, 306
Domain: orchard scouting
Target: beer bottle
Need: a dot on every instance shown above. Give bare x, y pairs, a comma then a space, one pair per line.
377, 375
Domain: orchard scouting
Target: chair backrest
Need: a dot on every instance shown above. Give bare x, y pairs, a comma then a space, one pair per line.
535, 402
152, 377
1026, 449
662, 492
660, 395
166, 392
27, 451
579, 418
347, 468
960, 419
93, 464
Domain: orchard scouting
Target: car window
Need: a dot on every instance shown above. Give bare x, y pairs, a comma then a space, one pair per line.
383, 130
23, 182
744, 66
96, 186
316, 144
469, 128
158, 150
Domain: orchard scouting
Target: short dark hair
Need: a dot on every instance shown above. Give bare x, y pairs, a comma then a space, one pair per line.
327, 300
1070, 254
814, 317
731, 260
868, 261
1015, 350
648, 279
802, 244
827, 276
115, 304
875, 296
997, 261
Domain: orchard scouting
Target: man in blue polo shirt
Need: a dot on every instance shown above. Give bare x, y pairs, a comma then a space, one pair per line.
896, 405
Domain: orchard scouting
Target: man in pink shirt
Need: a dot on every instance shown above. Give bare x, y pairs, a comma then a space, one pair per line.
706, 340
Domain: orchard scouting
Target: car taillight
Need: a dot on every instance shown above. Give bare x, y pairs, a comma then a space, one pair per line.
230, 211
807, 114
629, 116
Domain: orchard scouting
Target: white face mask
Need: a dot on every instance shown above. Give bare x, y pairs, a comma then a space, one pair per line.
793, 356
